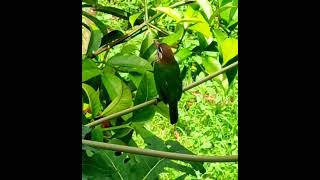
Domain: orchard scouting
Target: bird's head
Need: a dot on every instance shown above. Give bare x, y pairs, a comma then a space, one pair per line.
164, 53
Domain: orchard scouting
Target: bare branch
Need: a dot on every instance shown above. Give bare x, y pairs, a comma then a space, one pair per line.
162, 154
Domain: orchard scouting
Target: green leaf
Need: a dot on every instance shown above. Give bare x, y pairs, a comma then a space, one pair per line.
163, 109
147, 47
178, 148
203, 28
174, 39
95, 40
211, 64
89, 70
112, 83
224, 2
229, 49
146, 91
121, 102
133, 18
183, 54
130, 63
85, 131
135, 78
191, 20
150, 167
97, 134
100, 25
170, 12
129, 49
94, 101
111, 36
106, 165
231, 74
113, 11
220, 36
206, 7
202, 41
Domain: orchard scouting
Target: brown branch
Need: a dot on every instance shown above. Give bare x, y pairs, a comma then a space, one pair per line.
161, 154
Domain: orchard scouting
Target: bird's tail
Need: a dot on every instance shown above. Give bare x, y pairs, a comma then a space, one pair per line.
173, 110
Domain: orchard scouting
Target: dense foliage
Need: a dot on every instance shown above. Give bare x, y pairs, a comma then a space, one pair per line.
117, 73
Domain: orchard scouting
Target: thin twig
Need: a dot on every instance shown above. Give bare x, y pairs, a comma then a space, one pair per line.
155, 101
162, 154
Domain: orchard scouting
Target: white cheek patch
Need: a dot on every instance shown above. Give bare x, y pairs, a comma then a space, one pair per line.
160, 55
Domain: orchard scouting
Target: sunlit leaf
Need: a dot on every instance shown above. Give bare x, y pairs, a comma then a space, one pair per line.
121, 102
170, 12
174, 39
229, 49
203, 28
133, 18
206, 7
94, 101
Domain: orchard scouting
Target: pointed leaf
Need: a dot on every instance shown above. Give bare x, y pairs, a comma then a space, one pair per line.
170, 12
113, 11
111, 36
121, 102
95, 40
100, 25
112, 83
133, 18
147, 46
178, 148
206, 7
174, 39
94, 101
146, 91
229, 49
203, 28
130, 63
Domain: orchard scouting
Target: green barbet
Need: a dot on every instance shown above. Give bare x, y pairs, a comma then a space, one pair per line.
167, 79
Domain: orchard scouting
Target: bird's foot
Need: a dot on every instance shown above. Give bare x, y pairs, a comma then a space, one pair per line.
157, 98
175, 133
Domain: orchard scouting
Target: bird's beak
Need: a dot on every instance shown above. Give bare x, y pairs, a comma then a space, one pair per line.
156, 43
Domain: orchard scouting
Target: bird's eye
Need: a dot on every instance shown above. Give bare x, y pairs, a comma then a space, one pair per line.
159, 49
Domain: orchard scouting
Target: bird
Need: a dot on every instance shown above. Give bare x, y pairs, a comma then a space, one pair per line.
167, 79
